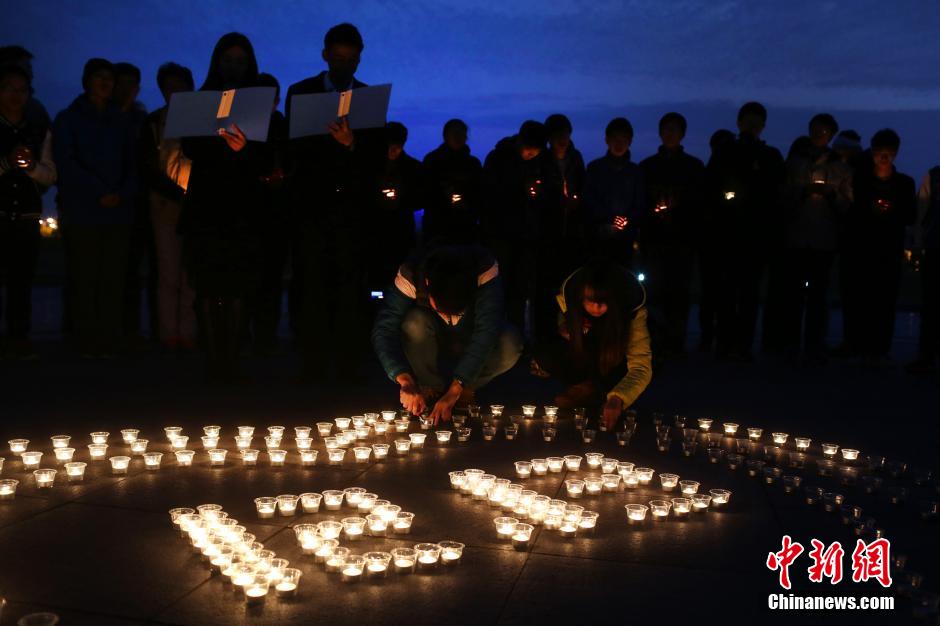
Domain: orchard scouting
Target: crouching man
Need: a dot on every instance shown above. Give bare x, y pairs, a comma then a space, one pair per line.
445, 312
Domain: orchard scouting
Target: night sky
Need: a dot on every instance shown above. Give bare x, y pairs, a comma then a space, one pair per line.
497, 63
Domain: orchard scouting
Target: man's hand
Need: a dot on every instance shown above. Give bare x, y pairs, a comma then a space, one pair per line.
444, 407
410, 395
110, 200
620, 222
341, 132
611, 412
235, 138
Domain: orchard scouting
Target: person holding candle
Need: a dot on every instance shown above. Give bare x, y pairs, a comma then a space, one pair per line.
614, 196
743, 184
397, 195
926, 252
669, 231
602, 351
816, 199
520, 218
26, 170
452, 177
883, 207
446, 303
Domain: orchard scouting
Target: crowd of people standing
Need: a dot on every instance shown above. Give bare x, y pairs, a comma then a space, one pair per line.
222, 220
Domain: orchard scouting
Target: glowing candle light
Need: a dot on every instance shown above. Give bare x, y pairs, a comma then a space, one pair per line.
97, 451
287, 504
704, 424
352, 568
802, 443
44, 478
521, 535
548, 434
849, 454
830, 449
18, 446
63, 455
257, 590
688, 487
129, 435
404, 560
669, 481
8, 488
428, 554
402, 446
588, 435
139, 446
496, 410
362, 454
572, 462
217, 457
333, 501
594, 459
179, 443
574, 488
780, 439
754, 434
376, 525
31, 460
730, 428
304, 443
277, 457
720, 497
660, 509
184, 458
681, 506
505, 527
209, 442
644, 475
401, 425
60, 441
75, 472
700, 502
593, 485
172, 432
451, 551
342, 423
555, 464
523, 469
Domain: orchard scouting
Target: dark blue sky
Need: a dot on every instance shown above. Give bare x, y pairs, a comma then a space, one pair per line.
496, 63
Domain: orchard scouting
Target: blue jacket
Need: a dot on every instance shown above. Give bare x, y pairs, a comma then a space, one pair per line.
96, 155
613, 186
482, 322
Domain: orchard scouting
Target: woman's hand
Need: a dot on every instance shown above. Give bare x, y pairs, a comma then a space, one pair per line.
341, 132
611, 412
409, 394
444, 407
235, 138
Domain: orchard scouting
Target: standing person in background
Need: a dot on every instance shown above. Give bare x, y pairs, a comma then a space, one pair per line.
396, 196
708, 256
221, 214
570, 166
883, 207
670, 232
95, 154
141, 256
521, 219
848, 146
452, 189
614, 198
817, 197
926, 251
23, 58
164, 174
330, 185
744, 182
274, 231
26, 171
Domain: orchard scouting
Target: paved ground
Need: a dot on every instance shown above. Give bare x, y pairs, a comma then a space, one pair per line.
103, 552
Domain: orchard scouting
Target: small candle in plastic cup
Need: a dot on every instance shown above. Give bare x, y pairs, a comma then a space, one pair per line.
265, 507
451, 551
659, 509
152, 460
505, 527
31, 460
336, 456
573, 462
139, 446
287, 504
60, 441
669, 481
44, 478
402, 446
310, 502
119, 464
64, 455
521, 535
681, 506
97, 451
277, 457
555, 464
730, 428
523, 469
404, 559
443, 436
287, 585
8, 488
377, 564
688, 487
700, 502
402, 523
75, 472
362, 454
18, 446
333, 499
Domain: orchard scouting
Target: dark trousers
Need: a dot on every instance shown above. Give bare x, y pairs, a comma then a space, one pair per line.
709, 281
517, 266
668, 290
872, 278
335, 298
930, 305
19, 252
804, 312
141, 279
98, 255
267, 296
740, 273
555, 356
774, 322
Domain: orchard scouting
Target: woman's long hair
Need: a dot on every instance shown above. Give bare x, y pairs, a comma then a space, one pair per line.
214, 78
614, 286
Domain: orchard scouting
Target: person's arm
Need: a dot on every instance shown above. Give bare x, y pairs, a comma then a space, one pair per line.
639, 363
386, 332
44, 172
488, 315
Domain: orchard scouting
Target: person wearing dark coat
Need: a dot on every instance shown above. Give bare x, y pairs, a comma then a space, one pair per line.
925, 249
397, 194
744, 181
670, 232
219, 224
521, 221
453, 179
26, 171
329, 186
883, 207
816, 198
95, 155
570, 165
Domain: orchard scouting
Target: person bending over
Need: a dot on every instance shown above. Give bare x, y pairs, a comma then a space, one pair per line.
445, 308
602, 351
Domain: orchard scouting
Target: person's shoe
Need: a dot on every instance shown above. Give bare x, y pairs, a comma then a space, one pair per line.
581, 394
921, 365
